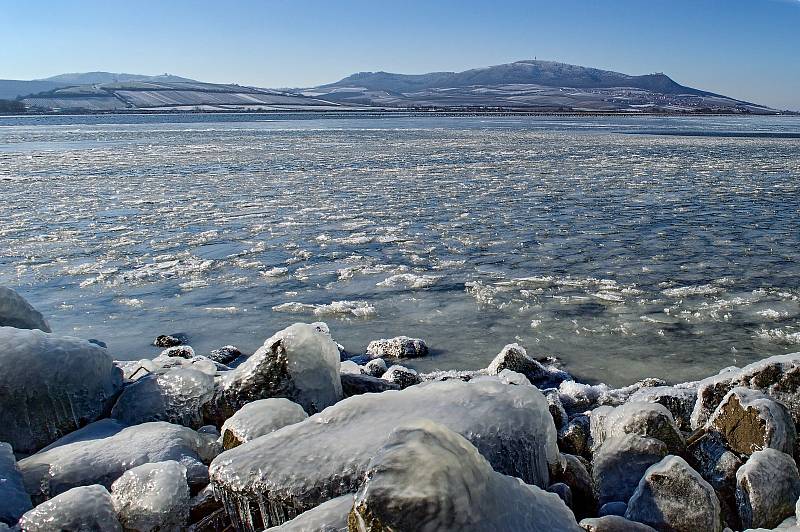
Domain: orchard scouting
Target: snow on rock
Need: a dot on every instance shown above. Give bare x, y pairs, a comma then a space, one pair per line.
225, 354
79, 509
171, 340
777, 376
748, 420
578, 397
516, 358
613, 523
349, 367
359, 384
375, 367
330, 516
87, 460
182, 351
673, 496
16, 312
398, 347
428, 478
620, 463
51, 386
152, 497
302, 465
258, 418
767, 489
300, 363
176, 396
650, 420
401, 376
718, 465
679, 401
14, 500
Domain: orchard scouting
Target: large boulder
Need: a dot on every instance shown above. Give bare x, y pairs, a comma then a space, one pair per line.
650, 420
777, 376
767, 489
16, 312
302, 465
102, 457
679, 401
258, 418
717, 465
749, 420
398, 347
152, 497
51, 386
620, 462
428, 478
176, 396
81, 508
330, 516
673, 496
300, 363
14, 500
613, 523
353, 384
572, 471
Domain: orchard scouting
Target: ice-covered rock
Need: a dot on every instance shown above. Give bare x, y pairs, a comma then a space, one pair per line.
176, 396
300, 363
182, 351
673, 496
516, 358
620, 462
16, 312
205, 509
749, 420
428, 478
87, 459
578, 397
348, 367
398, 347
401, 376
294, 469
171, 340
717, 465
767, 489
258, 418
225, 354
575, 437
14, 500
330, 516
360, 384
79, 509
650, 420
613, 523
376, 367
152, 497
572, 471
563, 491
679, 401
777, 376
51, 386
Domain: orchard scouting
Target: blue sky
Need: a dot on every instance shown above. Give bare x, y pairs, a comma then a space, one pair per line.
748, 49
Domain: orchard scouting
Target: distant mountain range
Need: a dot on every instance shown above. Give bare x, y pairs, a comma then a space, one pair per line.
529, 86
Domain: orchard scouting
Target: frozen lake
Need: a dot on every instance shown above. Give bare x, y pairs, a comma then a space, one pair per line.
627, 247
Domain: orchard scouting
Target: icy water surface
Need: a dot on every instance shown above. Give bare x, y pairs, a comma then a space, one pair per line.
628, 247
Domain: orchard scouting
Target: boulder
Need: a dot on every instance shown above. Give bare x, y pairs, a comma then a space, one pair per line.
673, 496
79, 509
101, 456
613, 523
204, 506
767, 489
650, 420
572, 471
176, 396
375, 367
620, 462
348, 367
302, 465
300, 363
152, 497
575, 438
16, 312
330, 516
398, 347
359, 384
171, 340
679, 401
225, 354
14, 500
179, 351
557, 411
258, 418
749, 420
401, 376
577, 397
516, 358
51, 386
717, 465
617, 508
563, 491
428, 478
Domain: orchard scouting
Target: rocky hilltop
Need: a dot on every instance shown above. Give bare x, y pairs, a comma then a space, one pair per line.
303, 436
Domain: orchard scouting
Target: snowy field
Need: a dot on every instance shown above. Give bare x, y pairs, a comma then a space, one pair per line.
627, 247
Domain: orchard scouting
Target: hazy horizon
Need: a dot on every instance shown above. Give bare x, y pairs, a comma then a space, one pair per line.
745, 49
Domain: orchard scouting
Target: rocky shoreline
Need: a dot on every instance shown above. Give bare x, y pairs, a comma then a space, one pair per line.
302, 436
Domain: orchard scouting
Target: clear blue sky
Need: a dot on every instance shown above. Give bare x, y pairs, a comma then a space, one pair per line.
748, 49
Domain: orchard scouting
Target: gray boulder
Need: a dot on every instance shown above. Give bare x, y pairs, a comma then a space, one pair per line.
258, 418
573, 472
575, 438
14, 500
225, 354
353, 384
673, 496
398, 347
428, 478
81, 508
51, 386
613, 523
16, 312
717, 465
401, 376
650, 420
768, 486
516, 358
620, 462
152, 497
679, 401
375, 367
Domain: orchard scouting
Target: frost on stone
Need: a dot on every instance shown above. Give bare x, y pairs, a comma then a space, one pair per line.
79, 509
375, 367
14, 500
103, 460
401, 376
300, 363
679, 401
428, 478
673, 496
650, 420
258, 418
351, 368
176, 396
16, 312
620, 463
152, 497
767, 489
51, 386
578, 397
330, 516
398, 347
278, 476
